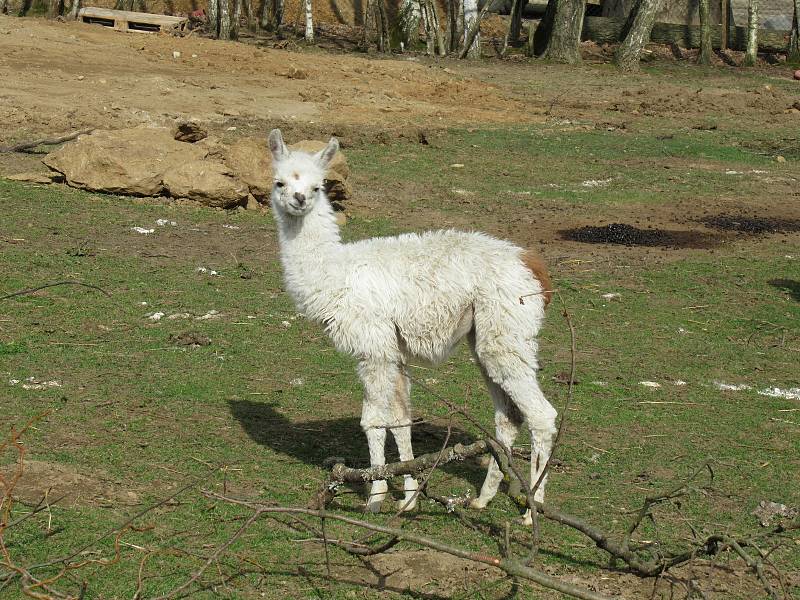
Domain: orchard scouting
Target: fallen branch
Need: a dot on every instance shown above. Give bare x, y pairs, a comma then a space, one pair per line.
511, 567
49, 285
23, 146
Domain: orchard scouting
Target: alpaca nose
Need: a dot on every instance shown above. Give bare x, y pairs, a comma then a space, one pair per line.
301, 198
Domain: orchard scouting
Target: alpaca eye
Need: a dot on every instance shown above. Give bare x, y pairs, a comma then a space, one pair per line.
279, 184
316, 190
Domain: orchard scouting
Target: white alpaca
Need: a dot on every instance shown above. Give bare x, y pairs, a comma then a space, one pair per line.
390, 300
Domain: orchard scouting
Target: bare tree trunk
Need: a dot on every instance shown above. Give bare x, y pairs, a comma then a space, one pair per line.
515, 25
472, 36
704, 57
794, 41
309, 22
529, 46
752, 35
640, 23
73, 11
247, 5
409, 18
384, 40
565, 26
454, 24
224, 20
213, 17
369, 15
3, 7
277, 14
427, 26
235, 19
264, 19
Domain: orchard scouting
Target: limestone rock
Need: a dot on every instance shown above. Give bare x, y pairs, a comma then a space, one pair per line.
251, 160
210, 183
123, 161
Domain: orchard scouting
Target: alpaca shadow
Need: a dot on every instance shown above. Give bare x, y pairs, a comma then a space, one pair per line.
787, 285
321, 442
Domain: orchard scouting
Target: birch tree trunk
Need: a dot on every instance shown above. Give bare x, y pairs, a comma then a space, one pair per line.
235, 19
309, 22
213, 17
704, 57
637, 34
73, 10
794, 41
472, 29
410, 16
224, 20
565, 26
751, 52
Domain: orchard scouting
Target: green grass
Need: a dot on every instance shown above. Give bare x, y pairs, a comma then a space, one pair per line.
568, 163
136, 413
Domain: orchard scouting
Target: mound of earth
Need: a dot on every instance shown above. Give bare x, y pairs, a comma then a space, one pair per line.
151, 162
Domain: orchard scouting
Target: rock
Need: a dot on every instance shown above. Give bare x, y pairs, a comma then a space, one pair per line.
295, 73
189, 131
780, 159
207, 182
123, 161
250, 159
797, 75
43, 178
252, 203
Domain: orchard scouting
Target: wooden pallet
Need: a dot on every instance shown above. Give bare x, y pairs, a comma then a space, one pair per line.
123, 20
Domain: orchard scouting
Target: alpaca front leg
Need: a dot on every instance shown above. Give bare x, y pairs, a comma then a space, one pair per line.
379, 379
376, 438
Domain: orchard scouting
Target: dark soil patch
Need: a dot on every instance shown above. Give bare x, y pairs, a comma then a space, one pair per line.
751, 225
628, 235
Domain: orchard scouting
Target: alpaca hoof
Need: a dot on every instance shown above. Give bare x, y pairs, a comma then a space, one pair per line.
477, 504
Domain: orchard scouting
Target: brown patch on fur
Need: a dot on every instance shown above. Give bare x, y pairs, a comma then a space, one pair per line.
536, 265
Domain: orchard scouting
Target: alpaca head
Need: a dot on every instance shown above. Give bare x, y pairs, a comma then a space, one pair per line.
298, 176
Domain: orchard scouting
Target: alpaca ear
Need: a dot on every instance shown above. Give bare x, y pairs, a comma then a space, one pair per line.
325, 156
277, 145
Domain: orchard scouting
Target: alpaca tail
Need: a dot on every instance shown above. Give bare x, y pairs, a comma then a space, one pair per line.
536, 265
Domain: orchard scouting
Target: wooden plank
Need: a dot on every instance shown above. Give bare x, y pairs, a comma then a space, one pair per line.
609, 30
122, 18
107, 13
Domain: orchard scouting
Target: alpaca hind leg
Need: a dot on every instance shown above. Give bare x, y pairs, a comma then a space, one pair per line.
402, 437
507, 421
540, 417
378, 378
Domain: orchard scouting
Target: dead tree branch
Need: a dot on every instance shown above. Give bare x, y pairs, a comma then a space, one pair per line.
511, 567
49, 285
24, 146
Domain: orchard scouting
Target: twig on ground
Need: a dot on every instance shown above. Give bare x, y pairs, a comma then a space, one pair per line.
49, 285
511, 567
23, 146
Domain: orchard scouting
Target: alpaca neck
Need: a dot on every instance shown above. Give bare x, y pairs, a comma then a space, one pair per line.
308, 245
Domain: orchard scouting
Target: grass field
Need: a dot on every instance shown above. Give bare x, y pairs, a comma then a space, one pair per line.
134, 414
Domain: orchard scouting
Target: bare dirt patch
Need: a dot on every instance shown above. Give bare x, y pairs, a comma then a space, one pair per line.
69, 486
